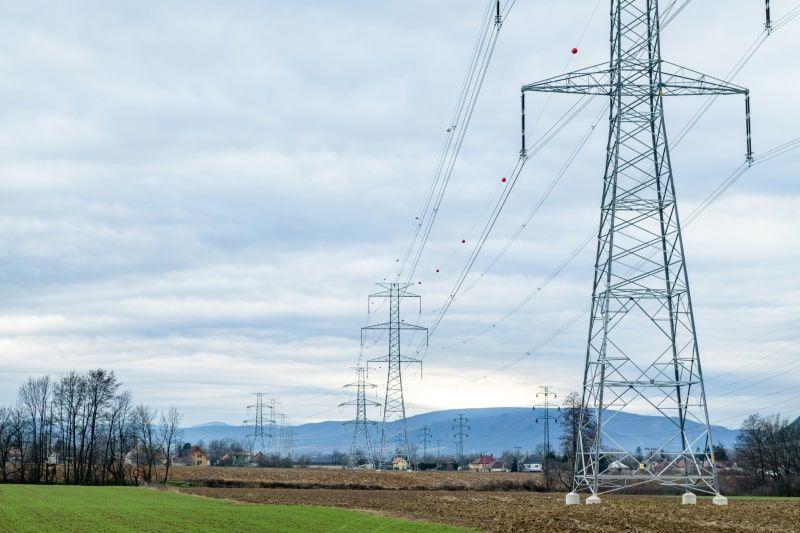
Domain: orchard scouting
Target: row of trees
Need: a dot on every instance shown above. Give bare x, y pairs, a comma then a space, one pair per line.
768, 454
84, 429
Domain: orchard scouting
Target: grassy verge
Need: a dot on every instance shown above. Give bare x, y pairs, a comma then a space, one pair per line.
36, 508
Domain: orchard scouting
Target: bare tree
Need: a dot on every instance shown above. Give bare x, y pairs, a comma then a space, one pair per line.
170, 435
570, 419
148, 446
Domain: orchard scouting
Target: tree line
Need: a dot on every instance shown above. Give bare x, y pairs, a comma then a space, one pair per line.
83, 428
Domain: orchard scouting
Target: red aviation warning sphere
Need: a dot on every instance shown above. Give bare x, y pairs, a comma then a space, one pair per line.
437, 270
574, 50
504, 180
463, 241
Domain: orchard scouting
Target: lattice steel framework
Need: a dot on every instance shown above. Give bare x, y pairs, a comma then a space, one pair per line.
262, 419
546, 417
460, 433
642, 349
361, 451
394, 407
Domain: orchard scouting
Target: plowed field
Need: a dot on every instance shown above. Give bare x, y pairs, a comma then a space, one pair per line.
468, 500
520, 511
303, 478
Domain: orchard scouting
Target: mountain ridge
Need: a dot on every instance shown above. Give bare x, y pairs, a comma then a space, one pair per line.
492, 430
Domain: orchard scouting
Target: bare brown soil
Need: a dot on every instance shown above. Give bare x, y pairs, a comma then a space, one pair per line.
467, 499
520, 511
308, 478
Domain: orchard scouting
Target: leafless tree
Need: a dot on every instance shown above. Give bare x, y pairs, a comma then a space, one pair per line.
170, 434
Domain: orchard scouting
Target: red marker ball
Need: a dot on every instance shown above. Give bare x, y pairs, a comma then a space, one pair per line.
574, 50
503, 180
437, 270
463, 241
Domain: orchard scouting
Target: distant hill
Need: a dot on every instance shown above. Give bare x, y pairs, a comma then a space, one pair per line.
492, 429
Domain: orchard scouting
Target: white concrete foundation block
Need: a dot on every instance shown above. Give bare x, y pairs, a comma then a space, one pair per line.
719, 499
593, 499
689, 498
573, 498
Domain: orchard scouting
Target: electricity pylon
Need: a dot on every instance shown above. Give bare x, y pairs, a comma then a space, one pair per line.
424, 434
460, 429
285, 436
642, 348
361, 446
262, 422
546, 417
394, 407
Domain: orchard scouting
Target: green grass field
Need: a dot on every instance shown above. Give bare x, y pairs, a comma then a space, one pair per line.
29, 508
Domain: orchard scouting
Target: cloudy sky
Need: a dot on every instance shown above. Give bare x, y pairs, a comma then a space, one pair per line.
201, 195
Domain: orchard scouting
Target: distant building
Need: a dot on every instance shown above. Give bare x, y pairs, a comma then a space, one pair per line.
487, 463
236, 459
532, 467
400, 463
194, 456
137, 457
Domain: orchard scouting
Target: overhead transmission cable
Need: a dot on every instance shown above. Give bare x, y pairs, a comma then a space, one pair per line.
738, 66
456, 132
782, 149
568, 116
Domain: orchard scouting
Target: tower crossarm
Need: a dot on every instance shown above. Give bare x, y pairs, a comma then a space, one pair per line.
597, 80
402, 359
677, 80
594, 80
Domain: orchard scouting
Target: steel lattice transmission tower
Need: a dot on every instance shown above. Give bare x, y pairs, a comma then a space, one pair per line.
424, 435
546, 417
394, 408
460, 428
642, 347
361, 447
260, 416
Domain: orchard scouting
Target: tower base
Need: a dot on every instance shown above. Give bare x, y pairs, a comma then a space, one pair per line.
719, 499
573, 498
689, 498
594, 499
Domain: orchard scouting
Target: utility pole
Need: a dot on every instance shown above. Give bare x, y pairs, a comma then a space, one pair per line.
546, 394
642, 345
424, 437
260, 416
517, 450
361, 445
460, 433
394, 407
438, 449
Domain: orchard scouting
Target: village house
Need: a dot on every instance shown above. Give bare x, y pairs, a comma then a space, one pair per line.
399, 463
487, 463
193, 456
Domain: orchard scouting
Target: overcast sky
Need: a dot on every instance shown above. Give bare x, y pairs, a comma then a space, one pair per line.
201, 195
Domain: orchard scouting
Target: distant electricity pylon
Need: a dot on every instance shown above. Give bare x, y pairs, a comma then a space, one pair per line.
642, 348
394, 407
285, 436
361, 447
546, 417
261, 418
424, 434
460, 433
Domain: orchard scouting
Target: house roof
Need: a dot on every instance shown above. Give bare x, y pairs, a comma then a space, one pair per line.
484, 460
